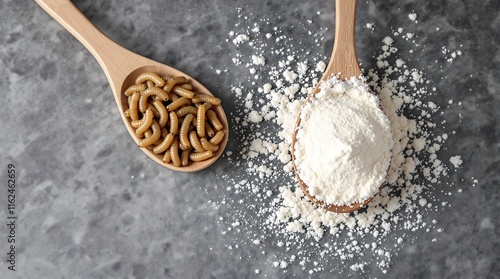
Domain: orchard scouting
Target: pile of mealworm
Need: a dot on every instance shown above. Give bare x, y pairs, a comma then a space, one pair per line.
172, 120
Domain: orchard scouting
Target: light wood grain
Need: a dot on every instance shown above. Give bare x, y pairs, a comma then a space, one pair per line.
343, 61
121, 67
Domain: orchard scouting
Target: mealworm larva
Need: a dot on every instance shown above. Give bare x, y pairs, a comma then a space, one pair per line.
171, 82
158, 142
206, 98
183, 134
147, 120
185, 157
207, 145
183, 92
127, 113
207, 105
150, 76
197, 157
178, 103
166, 157
134, 88
134, 113
136, 123
164, 132
200, 121
148, 133
149, 84
174, 152
172, 97
148, 92
174, 123
217, 138
162, 111
192, 126
195, 142
209, 130
180, 120
185, 110
154, 137
212, 117
156, 113
164, 145
187, 86
129, 99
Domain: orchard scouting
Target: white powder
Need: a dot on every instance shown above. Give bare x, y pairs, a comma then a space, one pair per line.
258, 60
263, 201
320, 66
241, 38
412, 16
254, 117
343, 143
456, 161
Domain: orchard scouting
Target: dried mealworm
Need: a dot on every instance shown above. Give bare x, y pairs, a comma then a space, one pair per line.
199, 98
164, 145
217, 138
174, 123
178, 103
212, 117
207, 145
171, 82
200, 121
185, 157
197, 157
195, 142
154, 137
162, 112
134, 99
147, 120
187, 86
209, 130
174, 152
185, 110
150, 76
183, 134
166, 157
143, 101
134, 88
183, 92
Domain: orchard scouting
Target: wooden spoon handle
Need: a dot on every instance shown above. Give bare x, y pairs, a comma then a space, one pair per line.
344, 59
116, 61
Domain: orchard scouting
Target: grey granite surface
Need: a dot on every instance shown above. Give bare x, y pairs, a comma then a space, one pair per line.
92, 205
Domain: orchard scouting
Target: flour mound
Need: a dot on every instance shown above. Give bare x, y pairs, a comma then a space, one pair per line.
344, 142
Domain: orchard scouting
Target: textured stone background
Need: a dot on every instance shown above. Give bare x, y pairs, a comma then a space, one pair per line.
92, 205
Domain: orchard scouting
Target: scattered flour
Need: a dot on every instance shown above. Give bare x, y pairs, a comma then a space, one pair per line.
456, 161
264, 206
412, 16
241, 38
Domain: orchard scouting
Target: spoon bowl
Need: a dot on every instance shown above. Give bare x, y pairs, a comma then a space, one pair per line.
344, 64
122, 67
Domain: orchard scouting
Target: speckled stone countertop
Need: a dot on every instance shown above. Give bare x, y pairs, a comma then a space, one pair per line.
91, 205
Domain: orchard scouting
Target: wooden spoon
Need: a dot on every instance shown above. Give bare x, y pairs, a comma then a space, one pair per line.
344, 63
121, 67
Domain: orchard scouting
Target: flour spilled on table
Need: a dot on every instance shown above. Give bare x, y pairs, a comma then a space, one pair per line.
264, 205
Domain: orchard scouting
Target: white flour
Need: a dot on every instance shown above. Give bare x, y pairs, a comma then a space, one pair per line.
344, 142
263, 206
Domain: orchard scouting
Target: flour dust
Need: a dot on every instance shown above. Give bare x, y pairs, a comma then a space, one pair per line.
264, 208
